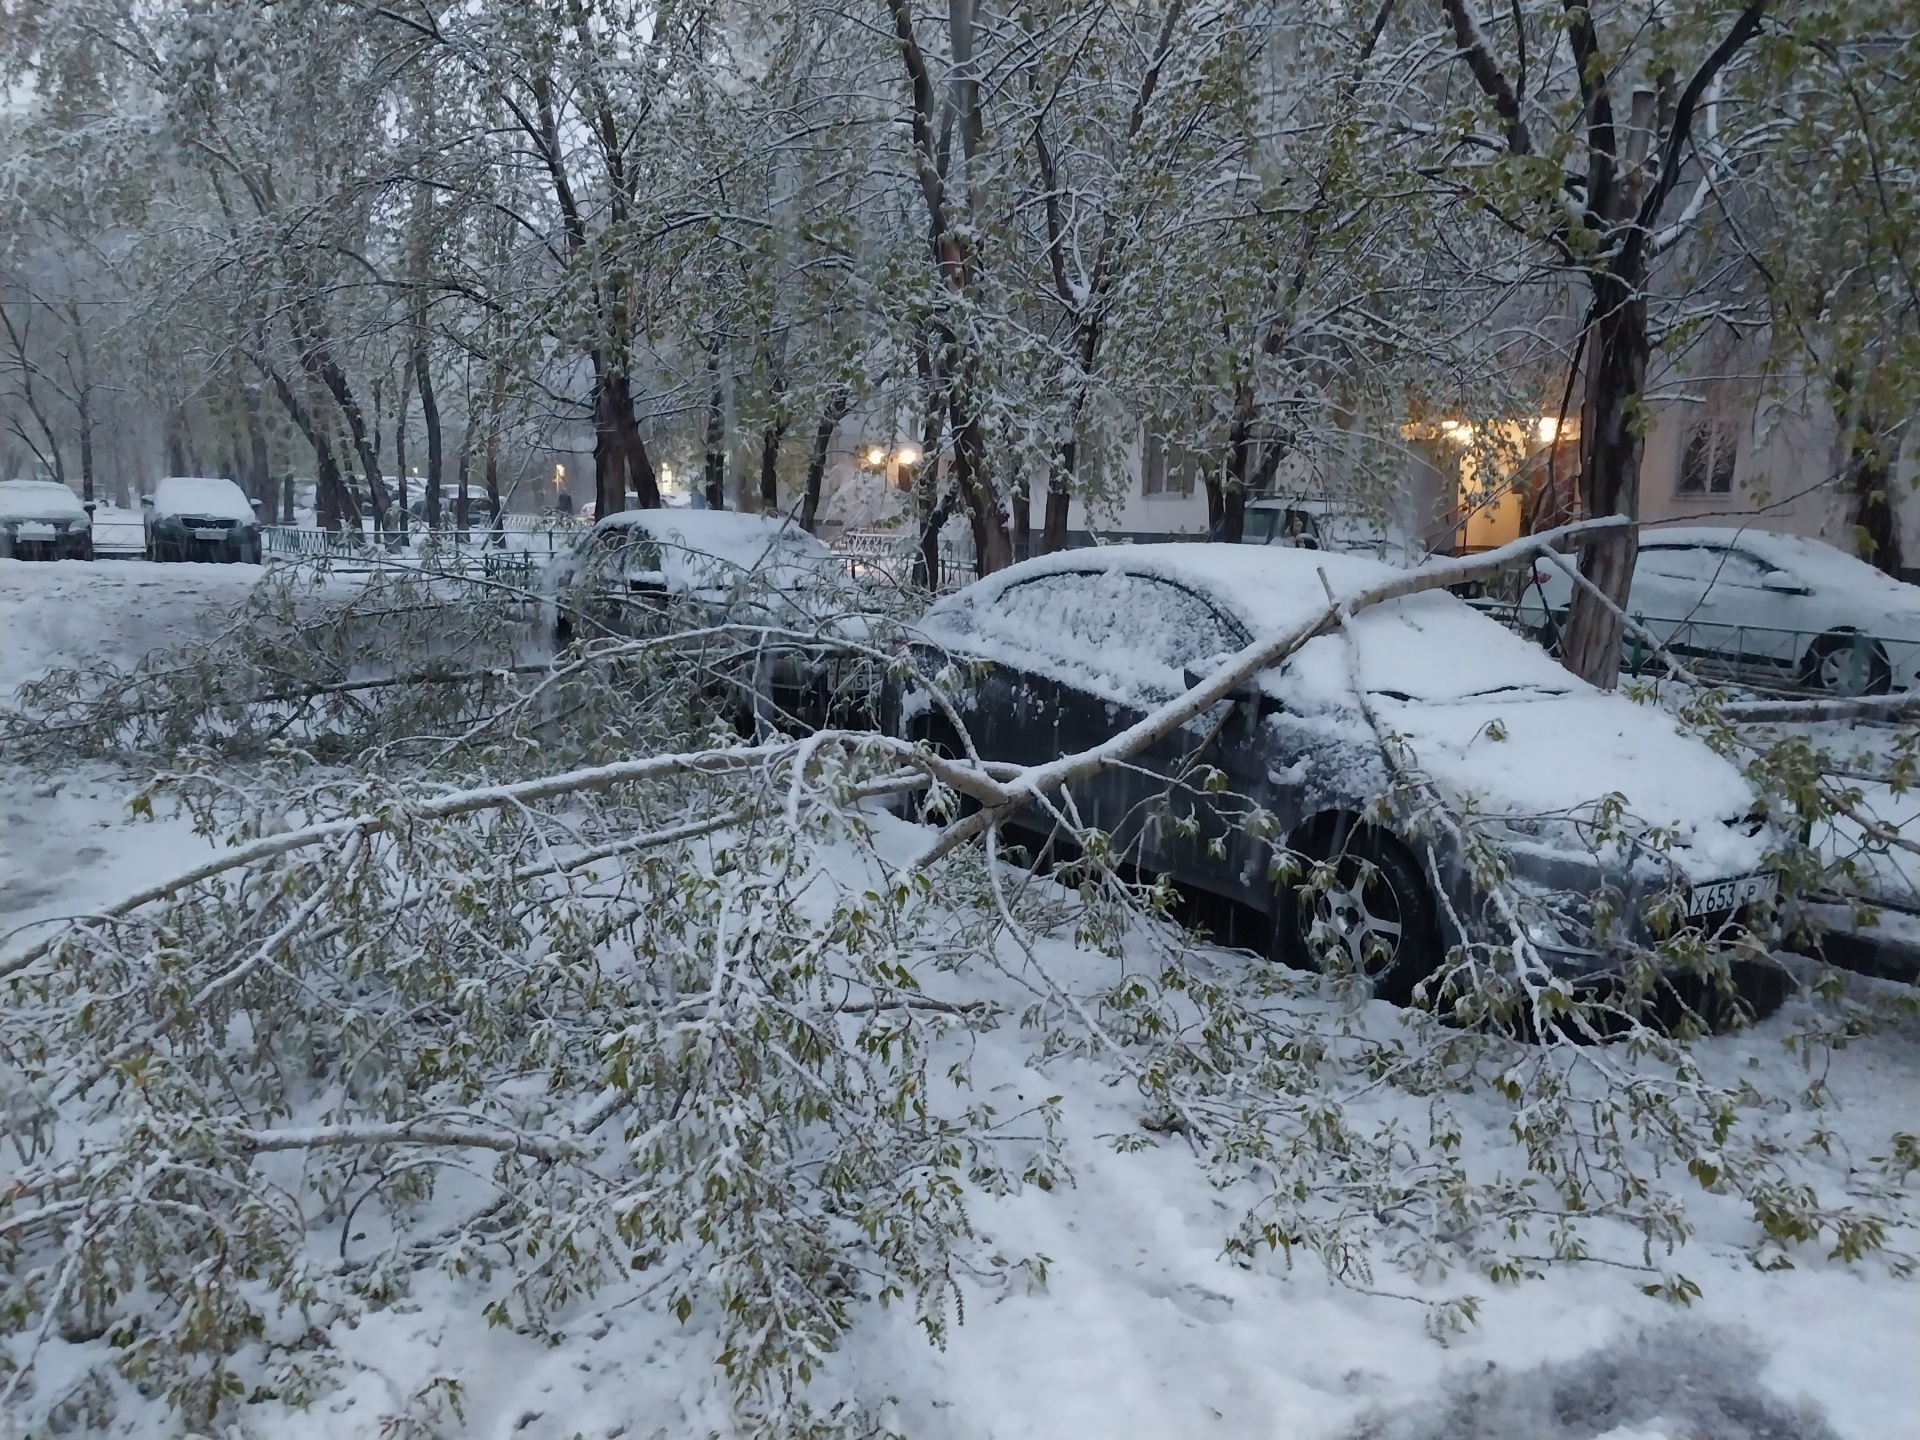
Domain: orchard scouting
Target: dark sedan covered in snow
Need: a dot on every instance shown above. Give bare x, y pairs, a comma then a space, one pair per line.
1588, 799
201, 517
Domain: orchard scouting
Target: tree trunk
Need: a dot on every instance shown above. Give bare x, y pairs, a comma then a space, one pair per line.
83, 405
770, 467
430, 418
640, 477
1611, 446
1053, 530
403, 397
497, 521
260, 475
830, 420
462, 505
1876, 524
716, 452
176, 445
1020, 504
333, 504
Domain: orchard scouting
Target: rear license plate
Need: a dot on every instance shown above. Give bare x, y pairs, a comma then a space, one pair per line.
33, 530
209, 534
1720, 895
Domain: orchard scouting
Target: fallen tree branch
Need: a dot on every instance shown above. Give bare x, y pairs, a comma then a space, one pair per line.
1903, 706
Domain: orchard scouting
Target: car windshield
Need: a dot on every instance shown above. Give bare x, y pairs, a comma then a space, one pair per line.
1429, 647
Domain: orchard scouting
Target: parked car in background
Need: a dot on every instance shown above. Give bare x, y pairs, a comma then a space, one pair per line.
644, 572
43, 520
201, 517
1761, 607
1075, 647
1317, 524
479, 513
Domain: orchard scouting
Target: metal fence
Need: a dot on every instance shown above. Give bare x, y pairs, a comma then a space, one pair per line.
518, 534
892, 556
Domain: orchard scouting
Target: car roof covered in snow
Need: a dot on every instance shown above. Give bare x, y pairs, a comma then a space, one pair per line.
38, 500
1813, 561
742, 540
207, 495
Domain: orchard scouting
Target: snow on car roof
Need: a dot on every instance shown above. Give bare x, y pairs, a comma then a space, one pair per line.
738, 539
38, 500
1814, 561
207, 495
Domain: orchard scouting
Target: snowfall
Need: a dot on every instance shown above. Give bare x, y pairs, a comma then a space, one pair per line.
1143, 1326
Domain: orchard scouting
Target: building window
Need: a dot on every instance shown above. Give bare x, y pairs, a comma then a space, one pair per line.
1165, 468
1706, 460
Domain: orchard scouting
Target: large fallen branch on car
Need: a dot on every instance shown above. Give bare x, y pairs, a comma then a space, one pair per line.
997, 800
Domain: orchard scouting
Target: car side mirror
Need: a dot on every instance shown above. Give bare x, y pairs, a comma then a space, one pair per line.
1247, 692
146, 502
258, 506
1782, 583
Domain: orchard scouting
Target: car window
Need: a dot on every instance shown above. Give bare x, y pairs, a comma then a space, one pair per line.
1137, 632
622, 544
1700, 565
1257, 529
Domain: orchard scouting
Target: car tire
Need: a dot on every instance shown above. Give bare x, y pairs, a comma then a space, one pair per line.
1830, 666
1379, 908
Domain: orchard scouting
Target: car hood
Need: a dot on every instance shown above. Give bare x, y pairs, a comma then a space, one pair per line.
1503, 731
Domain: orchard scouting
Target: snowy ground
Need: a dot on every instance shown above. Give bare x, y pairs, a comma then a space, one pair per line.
1143, 1327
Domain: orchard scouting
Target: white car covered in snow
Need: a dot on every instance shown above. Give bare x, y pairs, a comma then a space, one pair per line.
1761, 607
201, 517
1592, 800
43, 520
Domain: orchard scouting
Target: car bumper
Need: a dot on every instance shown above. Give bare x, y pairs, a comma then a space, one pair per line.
1586, 919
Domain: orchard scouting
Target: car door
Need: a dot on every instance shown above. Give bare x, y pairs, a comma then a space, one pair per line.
1103, 648
1708, 601
1673, 598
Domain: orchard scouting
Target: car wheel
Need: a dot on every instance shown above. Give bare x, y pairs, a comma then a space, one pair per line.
1374, 916
1844, 664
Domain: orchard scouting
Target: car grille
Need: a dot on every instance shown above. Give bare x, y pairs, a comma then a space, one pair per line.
199, 522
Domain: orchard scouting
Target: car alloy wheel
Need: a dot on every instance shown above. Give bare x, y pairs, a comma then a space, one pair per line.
1844, 664
1374, 916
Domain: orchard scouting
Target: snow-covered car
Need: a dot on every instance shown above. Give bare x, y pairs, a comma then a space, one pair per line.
641, 572
1585, 793
1763, 607
1317, 524
201, 517
43, 520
